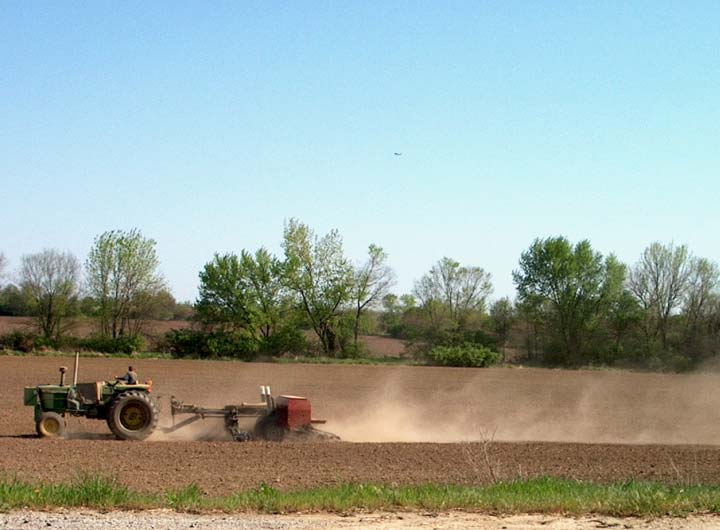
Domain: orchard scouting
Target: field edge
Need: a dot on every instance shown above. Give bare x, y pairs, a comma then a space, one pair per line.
533, 496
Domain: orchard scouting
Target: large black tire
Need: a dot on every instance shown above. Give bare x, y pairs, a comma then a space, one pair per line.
133, 415
50, 425
269, 428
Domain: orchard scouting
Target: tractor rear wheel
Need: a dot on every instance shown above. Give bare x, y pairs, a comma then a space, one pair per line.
133, 415
50, 424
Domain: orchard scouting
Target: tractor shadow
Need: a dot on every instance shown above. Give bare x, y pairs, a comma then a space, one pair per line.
89, 436
66, 436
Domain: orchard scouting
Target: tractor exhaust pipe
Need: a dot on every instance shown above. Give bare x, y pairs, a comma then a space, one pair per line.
266, 397
75, 371
62, 375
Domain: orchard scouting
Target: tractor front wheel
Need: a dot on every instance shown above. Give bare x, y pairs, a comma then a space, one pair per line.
133, 415
50, 425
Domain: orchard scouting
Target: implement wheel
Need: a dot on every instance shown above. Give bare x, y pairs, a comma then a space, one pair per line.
133, 415
50, 425
269, 428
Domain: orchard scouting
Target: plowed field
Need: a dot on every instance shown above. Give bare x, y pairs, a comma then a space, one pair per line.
409, 425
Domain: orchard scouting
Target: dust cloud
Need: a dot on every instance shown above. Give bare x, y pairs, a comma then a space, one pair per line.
517, 405
389, 416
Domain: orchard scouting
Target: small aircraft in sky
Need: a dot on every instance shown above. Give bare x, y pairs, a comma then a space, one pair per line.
397, 154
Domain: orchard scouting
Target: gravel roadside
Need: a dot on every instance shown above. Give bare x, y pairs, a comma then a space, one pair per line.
167, 520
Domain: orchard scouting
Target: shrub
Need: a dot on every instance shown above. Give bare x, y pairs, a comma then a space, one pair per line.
466, 355
288, 339
19, 341
460, 338
353, 351
237, 345
210, 344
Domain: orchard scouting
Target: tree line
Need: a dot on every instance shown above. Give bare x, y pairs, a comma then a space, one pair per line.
119, 285
574, 306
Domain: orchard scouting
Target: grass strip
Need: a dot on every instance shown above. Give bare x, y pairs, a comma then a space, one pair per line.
89, 491
87, 354
544, 495
386, 360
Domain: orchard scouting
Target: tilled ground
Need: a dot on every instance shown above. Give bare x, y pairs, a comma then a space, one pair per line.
502, 423
222, 467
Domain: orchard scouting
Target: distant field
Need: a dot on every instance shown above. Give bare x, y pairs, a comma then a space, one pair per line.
376, 346
88, 326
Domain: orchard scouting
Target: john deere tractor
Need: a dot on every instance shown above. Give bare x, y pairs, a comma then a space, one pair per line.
130, 410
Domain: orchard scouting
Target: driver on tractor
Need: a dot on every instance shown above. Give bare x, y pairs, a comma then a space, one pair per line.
131, 377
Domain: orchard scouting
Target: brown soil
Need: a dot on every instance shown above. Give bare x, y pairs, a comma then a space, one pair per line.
512, 423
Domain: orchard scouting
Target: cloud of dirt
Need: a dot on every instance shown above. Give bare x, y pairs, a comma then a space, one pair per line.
535, 405
391, 415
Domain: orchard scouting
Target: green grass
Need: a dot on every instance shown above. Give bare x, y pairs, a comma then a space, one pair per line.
87, 491
86, 354
544, 495
388, 360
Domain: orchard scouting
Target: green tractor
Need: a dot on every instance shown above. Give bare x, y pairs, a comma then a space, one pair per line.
130, 410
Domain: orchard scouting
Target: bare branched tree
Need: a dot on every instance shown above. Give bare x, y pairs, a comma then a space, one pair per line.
449, 292
502, 318
659, 281
122, 273
703, 280
3, 265
480, 456
51, 280
372, 282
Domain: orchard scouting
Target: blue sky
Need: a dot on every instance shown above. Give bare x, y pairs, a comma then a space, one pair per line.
206, 125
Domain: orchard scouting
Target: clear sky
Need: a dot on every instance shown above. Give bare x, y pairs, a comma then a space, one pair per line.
207, 124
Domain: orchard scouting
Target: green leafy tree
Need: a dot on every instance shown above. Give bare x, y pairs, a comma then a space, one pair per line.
320, 276
13, 303
391, 314
184, 311
51, 281
226, 298
401, 318
243, 293
122, 273
373, 279
265, 275
156, 306
623, 315
574, 281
